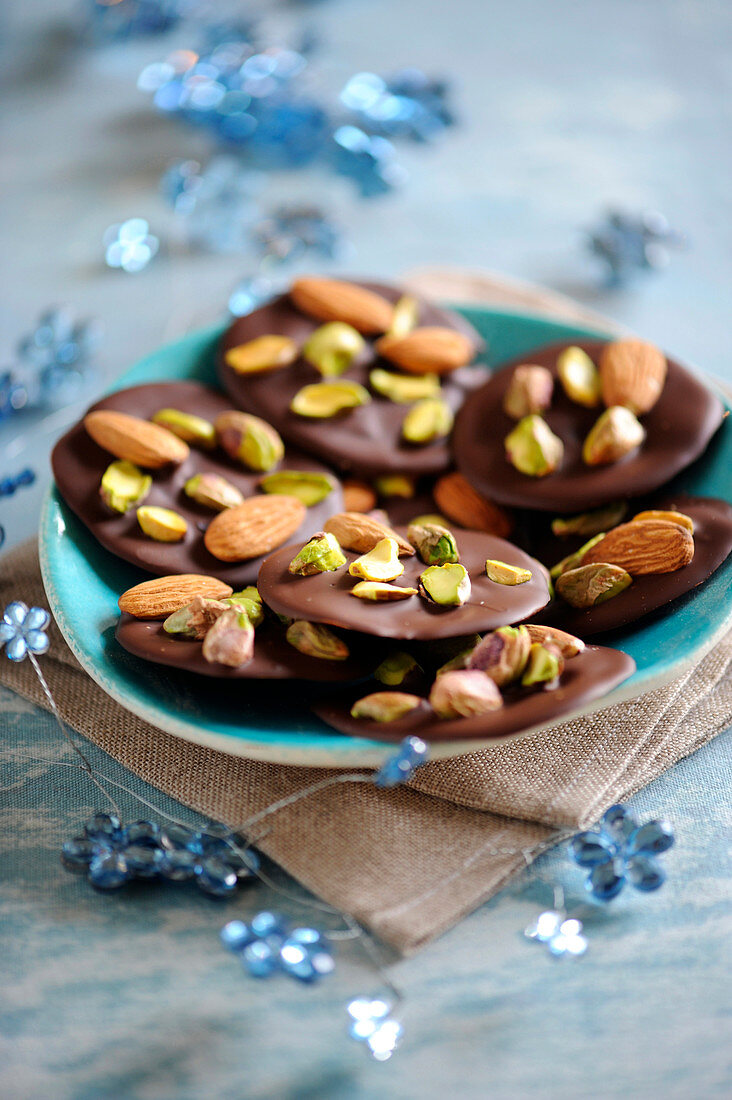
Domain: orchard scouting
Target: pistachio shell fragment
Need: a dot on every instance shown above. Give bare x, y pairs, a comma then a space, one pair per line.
572, 561
332, 348
192, 429
396, 485
434, 543
533, 448
262, 354
427, 420
321, 554
590, 585
250, 601
123, 486
230, 641
196, 618
403, 389
529, 391
395, 668
380, 564
381, 592
249, 439
464, 694
591, 523
321, 400
503, 573
213, 491
405, 316
385, 706
161, 524
545, 665
316, 640
580, 377
615, 434
502, 654
309, 487
679, 518
446, 585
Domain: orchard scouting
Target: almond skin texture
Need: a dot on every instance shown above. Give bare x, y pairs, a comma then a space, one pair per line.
333, 300
632, 373
358, 496
135, 440
161, 596
567, 644
460, 502
644, 546
255, 527
359, 532
430, 350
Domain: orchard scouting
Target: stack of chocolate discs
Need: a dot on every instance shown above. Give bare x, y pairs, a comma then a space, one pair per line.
340, 508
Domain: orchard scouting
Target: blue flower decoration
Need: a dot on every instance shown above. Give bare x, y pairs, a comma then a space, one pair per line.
249, 294
402, 765
632, 243
622, 851
53, 362
370, 161
22, 630
216, 202
130, 245
294, 231
372, 1023
112, 855
408, 104
562, 935
269, 944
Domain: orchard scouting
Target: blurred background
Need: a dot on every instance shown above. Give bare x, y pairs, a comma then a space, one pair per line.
166, 161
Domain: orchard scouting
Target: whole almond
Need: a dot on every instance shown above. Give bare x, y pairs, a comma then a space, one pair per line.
644, 546
334, 300
460, 502
430, 350
632, 373
135, 440
567, 644
255, 527
358, 496
161, 596
360, 533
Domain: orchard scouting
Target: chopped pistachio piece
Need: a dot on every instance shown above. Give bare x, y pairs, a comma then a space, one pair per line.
332, 348
381, 592
230, 641
464, 693
385, 706
503, 573
575, 559
591, 523
502, 654
380, 564
309, 487
396, 485
250, 440
321, 554
679, 518
427, 420
403, 389
446, 585
161, 524
614, 434
459, 660
196, 618
434, 543
405, 316
579, 376
395, 668
545, 665
193, 429
213, 491
429, 519
264, 353
123, 486
251, 602
321, 400
590, 585
533, 448
316, 640
529, 391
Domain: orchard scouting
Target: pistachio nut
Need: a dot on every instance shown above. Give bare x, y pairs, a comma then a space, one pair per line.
385, 706
161, 524
502, 654
434, 543
230, 641
213, 491
460, 660
545, 665
403, 389
264, 353
572, 561
464, 693
250, 601
316, 640
320, 554
405, 316
321, 400
580, 377
381, 592
679, 518
529, 391
614, 434
503, 573
428, 519
250, 440
446, 585
380, 564
123, 486
332, 348
589, 585
395, 668
591, 523
427, 420
533, 448
308, 486
192, 429
196, 618
396, 485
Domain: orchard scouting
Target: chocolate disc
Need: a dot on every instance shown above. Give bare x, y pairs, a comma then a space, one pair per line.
274, 657
679, 427
590, 675
712, 544
326, 597
79, 463
365, 440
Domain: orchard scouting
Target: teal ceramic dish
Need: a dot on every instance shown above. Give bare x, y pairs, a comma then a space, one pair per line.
83, 582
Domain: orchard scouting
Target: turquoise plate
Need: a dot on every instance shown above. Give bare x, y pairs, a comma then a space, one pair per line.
83, 582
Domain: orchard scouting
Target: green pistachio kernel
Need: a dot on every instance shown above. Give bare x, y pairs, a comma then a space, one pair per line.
264, 353
380, 564
308, 486
385, 706
213, 491
446, 585
321, 554
403, 389
249, 439
381, 592
533, 448
579, 376
396, 485
575, 559
316, 640
589, 585
161, 524
502, 573
434, 543
192, 429
395, 668
333, 347
322, 400
250, 601
427, 420
591, 523
545, 664
123, 486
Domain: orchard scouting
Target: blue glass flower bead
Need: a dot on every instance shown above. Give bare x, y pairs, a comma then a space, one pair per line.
130, 245
373, 1024
562, 935
402, 765
369, 161
622, 851
22, 630
629, 244
292, 231
269, 943
10, 485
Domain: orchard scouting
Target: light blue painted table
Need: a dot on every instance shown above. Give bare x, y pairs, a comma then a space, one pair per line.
565, 107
